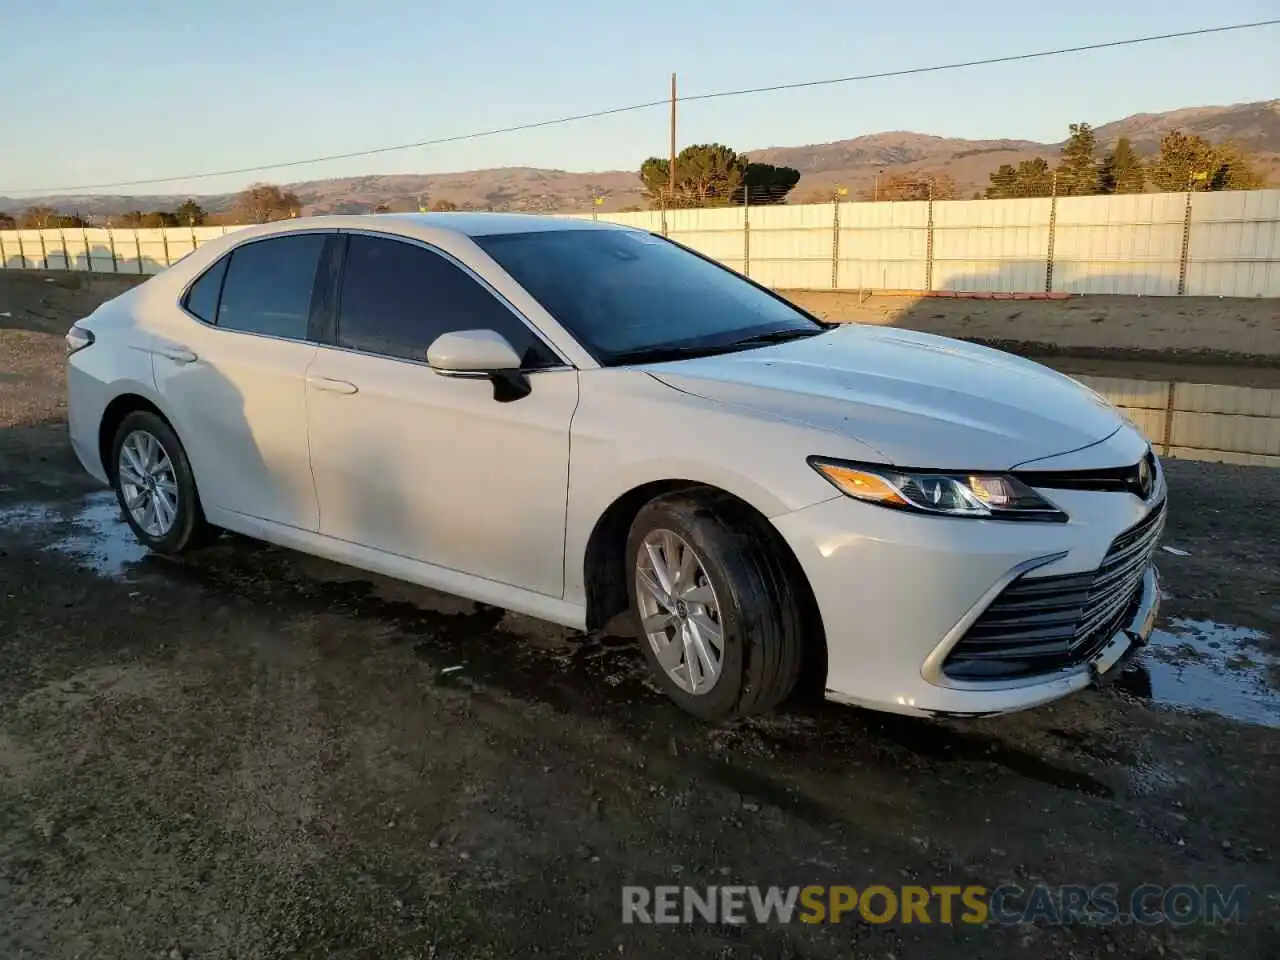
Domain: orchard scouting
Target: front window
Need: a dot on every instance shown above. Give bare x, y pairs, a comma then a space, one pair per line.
632, 297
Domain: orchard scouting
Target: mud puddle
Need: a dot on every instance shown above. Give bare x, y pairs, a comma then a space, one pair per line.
92, 531
1212, 667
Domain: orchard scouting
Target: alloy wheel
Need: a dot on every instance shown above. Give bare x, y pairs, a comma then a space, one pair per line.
679, 611
148, 483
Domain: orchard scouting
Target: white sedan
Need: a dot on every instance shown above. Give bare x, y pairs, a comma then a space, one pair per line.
572, 420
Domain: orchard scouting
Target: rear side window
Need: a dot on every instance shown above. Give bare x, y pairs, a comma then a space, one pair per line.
268, 286
398, 297
202, 298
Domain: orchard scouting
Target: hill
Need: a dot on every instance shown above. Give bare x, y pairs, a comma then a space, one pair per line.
853, 163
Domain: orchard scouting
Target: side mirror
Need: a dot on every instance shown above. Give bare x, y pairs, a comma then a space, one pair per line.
472, 352
480, 354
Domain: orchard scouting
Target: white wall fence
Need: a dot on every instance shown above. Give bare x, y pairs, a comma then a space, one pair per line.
1154, 244
102, 250
1200, 421
1183, 420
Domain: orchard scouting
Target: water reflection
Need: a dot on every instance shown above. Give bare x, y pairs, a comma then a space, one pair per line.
92, 531
1203, 665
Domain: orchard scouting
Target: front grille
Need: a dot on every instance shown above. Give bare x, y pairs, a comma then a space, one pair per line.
1041, 624
1112, 479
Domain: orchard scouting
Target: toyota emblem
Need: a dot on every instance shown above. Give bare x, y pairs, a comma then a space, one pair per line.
1144, 478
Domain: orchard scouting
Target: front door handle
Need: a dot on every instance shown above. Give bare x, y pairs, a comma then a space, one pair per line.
330, 385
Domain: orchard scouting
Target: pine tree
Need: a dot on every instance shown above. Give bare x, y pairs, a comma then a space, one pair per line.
1078, 174
1188, 162
1122, 171
1003, 181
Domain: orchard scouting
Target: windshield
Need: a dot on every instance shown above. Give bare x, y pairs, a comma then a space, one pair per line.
632, 297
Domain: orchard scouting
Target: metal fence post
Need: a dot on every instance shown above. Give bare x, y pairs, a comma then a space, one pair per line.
111, 241
928, 246
1053, 229
44, 251
137, 249
1186, 247
164, 237
835, 242
4, 257
22, 252
746, 231
1168, 419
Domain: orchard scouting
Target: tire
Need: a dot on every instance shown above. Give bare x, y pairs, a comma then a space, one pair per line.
187, 529
760, 615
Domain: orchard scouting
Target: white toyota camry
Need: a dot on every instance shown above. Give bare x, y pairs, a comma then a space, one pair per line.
573, 420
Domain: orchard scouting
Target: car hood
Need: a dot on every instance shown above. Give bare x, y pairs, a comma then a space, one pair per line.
918, 400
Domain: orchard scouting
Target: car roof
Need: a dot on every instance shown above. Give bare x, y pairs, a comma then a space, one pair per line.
475, 224
468, 224
452, 232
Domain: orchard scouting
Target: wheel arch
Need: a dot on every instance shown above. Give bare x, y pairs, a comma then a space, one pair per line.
605, 565
113, 415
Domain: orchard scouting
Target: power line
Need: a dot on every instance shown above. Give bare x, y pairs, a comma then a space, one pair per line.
718, 95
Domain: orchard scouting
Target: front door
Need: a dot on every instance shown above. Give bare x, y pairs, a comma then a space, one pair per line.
429, 467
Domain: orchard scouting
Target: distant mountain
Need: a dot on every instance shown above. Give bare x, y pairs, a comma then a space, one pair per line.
1253, 126
851, 163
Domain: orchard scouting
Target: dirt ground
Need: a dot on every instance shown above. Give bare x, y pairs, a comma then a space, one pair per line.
251, 753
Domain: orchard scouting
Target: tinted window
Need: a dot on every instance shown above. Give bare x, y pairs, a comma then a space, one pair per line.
397, 298
202, 298
622, 292
268, 286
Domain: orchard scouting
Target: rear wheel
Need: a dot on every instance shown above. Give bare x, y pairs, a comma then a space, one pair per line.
719, 622
155, 486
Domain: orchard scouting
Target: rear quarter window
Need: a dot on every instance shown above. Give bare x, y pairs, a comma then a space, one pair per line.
202, 297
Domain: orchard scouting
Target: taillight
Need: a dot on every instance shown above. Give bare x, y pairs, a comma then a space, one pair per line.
78, 338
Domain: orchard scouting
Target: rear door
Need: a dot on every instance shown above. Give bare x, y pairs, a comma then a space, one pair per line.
429, 467
235, 380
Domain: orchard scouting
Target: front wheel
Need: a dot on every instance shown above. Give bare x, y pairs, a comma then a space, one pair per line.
155, 486
718, 620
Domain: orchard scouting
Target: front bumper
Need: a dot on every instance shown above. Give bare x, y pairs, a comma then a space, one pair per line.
897, 591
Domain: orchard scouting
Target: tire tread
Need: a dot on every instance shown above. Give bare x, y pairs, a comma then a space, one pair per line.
767, 606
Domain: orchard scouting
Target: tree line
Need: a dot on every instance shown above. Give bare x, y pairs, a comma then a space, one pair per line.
260, 203
1183, 162
714, 175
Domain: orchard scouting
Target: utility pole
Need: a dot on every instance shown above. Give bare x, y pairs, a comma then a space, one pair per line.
671, 167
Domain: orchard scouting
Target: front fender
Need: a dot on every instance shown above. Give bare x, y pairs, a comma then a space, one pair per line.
631, 430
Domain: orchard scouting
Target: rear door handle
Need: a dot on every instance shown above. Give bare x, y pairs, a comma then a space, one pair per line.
332, 386
177, 353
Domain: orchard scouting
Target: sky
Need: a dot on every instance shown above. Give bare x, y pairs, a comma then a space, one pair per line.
97, 92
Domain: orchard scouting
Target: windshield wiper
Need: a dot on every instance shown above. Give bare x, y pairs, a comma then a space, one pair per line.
659, 354
776, 336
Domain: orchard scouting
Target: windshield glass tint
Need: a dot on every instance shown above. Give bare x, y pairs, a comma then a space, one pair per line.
627, 293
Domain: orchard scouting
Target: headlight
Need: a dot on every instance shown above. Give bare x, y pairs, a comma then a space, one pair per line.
993, 495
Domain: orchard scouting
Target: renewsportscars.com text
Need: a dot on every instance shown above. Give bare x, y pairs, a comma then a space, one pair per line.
1103, 904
